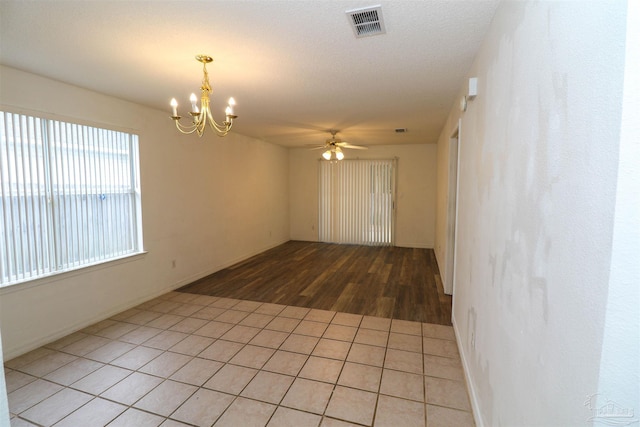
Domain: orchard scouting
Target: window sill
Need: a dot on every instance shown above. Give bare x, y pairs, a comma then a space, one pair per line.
61, 275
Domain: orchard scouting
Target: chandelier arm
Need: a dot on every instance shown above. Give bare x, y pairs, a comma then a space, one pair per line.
223, 128
187, 130
200, 124
212, 123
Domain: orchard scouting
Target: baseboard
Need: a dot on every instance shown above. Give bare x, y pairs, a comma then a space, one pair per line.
473, 397
413, 245
440, 264
9, 354
210, 271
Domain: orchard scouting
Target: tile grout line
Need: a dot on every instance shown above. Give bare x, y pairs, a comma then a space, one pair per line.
123, 320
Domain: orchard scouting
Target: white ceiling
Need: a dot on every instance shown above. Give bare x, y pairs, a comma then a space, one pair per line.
295, 68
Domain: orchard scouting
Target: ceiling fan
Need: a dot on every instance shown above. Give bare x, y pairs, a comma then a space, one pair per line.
334, 146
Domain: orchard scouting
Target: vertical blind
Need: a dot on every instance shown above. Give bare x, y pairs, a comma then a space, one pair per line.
69, 196
357, 202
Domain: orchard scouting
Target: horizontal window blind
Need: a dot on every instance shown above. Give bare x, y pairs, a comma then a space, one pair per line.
357, 202
69, 196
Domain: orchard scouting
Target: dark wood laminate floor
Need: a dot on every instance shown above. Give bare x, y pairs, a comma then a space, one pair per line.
398, 283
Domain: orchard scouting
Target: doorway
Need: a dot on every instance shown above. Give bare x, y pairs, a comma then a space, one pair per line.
452, 210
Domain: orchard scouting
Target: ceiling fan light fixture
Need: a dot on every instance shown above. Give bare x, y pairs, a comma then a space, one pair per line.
333, 147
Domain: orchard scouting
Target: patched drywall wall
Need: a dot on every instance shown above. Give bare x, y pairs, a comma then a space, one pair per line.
415, 196
206, 203
538, 164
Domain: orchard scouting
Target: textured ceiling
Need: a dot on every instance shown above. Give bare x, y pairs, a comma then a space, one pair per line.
295, 68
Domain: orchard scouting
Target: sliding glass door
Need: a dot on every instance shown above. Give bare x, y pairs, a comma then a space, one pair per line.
357, 202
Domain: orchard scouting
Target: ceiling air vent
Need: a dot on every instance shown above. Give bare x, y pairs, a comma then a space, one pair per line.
366, 21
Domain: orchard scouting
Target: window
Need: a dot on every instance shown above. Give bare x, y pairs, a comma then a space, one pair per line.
69, 196
357, 202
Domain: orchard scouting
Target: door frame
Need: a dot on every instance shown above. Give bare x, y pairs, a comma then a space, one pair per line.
452, 209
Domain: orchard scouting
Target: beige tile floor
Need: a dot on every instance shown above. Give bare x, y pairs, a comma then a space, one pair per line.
194, 360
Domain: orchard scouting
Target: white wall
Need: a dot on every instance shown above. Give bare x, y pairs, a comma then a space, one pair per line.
416, 191
539, 160
206, 204
620, 361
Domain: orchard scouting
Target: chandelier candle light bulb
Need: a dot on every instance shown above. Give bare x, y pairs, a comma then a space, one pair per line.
194, 103
229, 110
202, 116
174, 107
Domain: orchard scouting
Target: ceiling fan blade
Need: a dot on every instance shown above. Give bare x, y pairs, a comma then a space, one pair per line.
317, 147
355, 147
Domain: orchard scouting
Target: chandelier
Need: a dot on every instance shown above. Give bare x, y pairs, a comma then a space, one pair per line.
202, 115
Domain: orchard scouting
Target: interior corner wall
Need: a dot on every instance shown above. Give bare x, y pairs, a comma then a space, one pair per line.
206, 204
539, 150
415, 195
